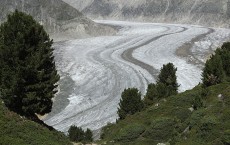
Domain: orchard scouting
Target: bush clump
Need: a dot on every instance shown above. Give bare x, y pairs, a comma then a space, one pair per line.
77, 134
162, 129
130, 132
207, 127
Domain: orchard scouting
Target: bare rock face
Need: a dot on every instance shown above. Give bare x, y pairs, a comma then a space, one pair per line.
59, 19
204, 12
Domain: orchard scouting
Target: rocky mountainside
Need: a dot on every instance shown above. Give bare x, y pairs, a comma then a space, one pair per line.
60, 19
204, 12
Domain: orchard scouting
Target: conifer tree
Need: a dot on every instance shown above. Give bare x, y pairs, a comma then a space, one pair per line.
224, 52
167, 81
28, 75
151, 92
130, 102
88, 135
213, 72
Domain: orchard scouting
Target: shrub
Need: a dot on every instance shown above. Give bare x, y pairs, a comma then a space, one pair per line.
198, 103
207, 127
130, 132
162, 129
196, 117
226, 137
226, 95
182, 114
204, 92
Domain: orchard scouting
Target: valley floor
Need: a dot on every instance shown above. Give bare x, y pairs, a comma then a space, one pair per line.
94, 71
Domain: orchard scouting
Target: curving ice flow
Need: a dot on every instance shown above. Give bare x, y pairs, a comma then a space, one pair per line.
94, 71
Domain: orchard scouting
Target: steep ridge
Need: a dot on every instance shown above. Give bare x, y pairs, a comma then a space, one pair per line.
60, 19
204, 12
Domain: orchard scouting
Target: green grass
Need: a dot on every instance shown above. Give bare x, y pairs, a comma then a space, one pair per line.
166, 123
16, 130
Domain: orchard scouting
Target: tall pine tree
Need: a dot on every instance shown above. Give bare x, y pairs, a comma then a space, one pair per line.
28, 75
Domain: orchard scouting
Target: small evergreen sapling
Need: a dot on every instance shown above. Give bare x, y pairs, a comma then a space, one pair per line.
130, 103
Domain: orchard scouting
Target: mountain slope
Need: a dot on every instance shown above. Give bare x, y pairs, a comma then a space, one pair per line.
59, 19
17, 130
173, 120
205, 12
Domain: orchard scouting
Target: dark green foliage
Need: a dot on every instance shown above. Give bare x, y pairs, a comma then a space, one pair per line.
77, 134
207, 127
226, 137
130, 132
198, 103
151, 95
196, 117
226, 98
162, 90
168, 77
161, 129
88, 135
27, 69
217, 66
130, 102
166, 85
224, 52
213, 72
182, 113
151, 92
204, 92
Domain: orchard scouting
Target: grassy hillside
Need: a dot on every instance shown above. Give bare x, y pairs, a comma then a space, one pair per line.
16, 130
171, 120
